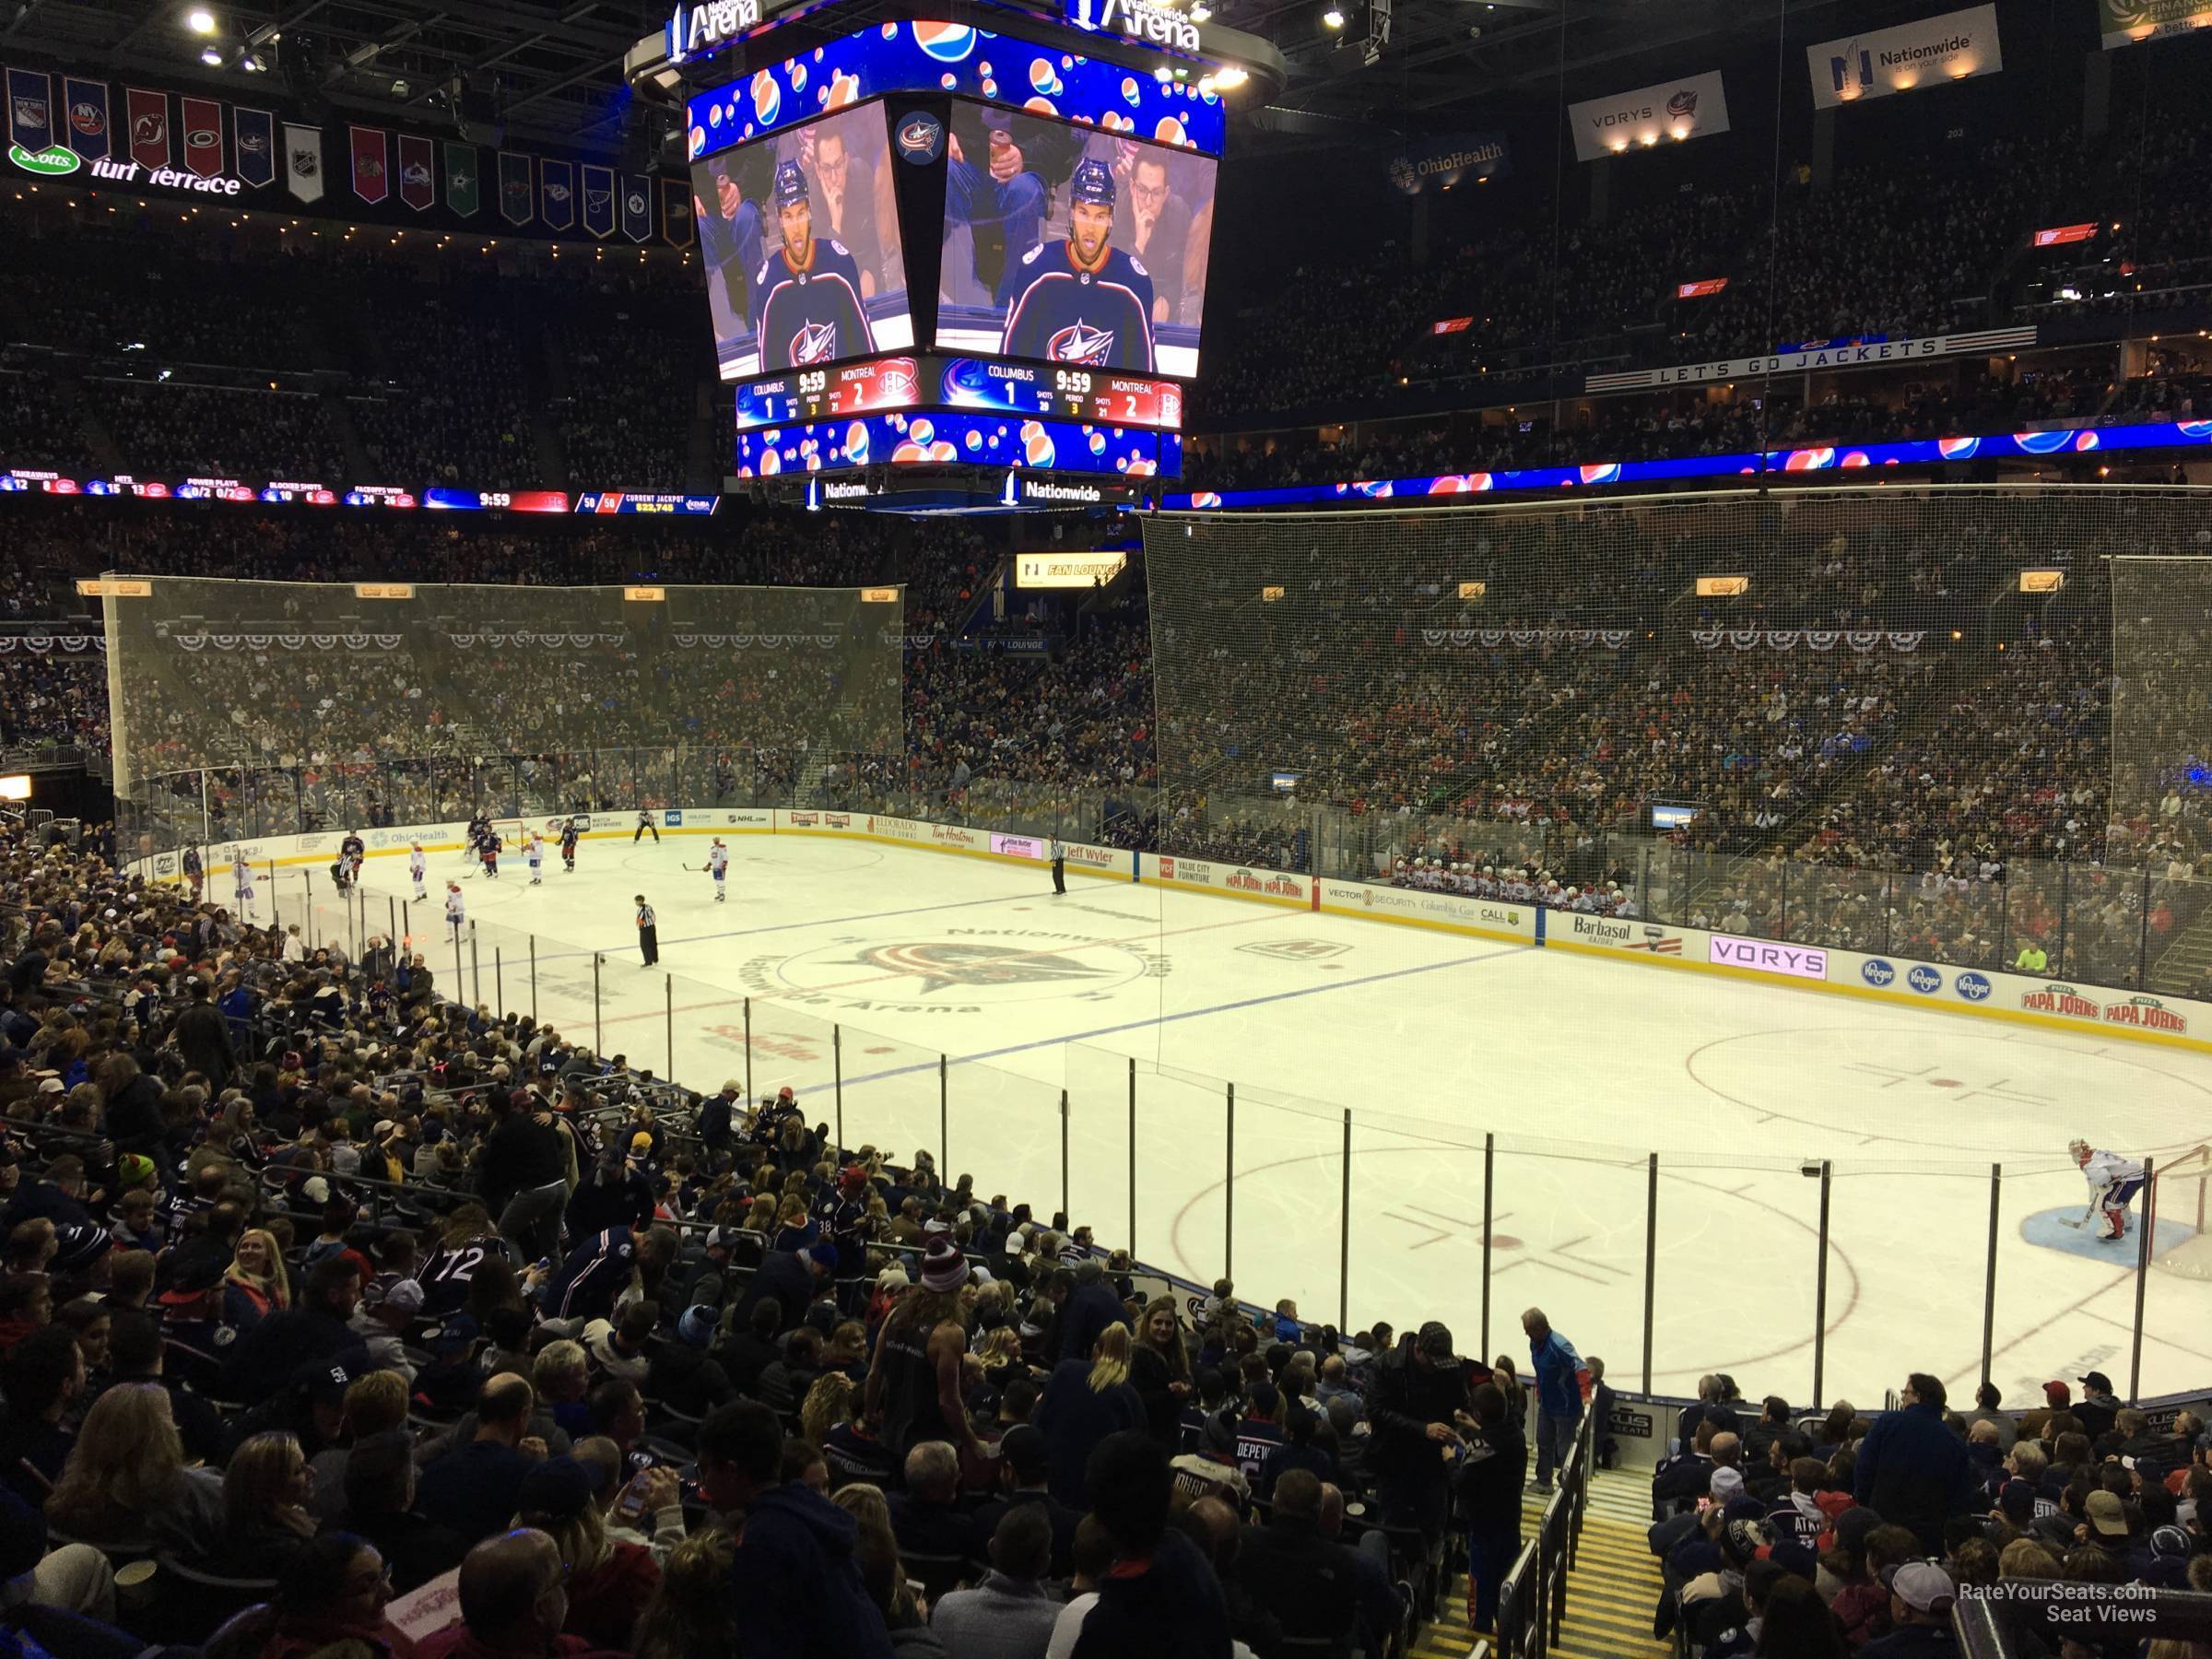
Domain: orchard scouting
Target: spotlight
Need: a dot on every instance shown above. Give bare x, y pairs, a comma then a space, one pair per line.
1200, 12
211, 57
1230, 76
200, 20
1333, 17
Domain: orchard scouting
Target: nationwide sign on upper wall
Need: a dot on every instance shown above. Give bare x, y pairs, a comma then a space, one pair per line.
1931, 52
1693, 106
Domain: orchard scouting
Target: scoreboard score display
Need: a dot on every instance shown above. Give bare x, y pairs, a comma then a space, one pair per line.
918, 380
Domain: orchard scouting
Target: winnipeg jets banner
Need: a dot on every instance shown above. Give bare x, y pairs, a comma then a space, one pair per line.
253, 136
303, 161
1932, 52
417, 172
204, 137
464, 179
676, 213
149, 115
598, 200
517, 203
637, 207
85, 113
557, 194
372, 158
1693, 107
30, 110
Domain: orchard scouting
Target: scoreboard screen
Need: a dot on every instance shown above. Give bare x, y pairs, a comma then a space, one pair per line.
923, 381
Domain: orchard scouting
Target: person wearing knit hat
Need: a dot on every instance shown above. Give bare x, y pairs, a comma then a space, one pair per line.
914, 1381
944, 1268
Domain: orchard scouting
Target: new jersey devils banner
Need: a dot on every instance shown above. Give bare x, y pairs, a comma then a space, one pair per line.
557, 194
598, 200
149, 113
637, 207
204, 137
253, 136
303, 161
417, 178
372, 180
86, 118
30, 110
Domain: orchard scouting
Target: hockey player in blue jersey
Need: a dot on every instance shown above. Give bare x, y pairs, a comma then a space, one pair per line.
808, 289
1083, 301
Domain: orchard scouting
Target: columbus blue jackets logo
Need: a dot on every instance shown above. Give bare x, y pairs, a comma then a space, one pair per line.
815, 343
942, 966
1683, 105
252, 144
1081, 343
921, 138
88, 118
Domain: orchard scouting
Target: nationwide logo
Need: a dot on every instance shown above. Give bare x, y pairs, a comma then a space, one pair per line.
54, 163
88, 118
1139, 21
2146, 1013
2060, 999
1876, 971
1925, 980
1081, 343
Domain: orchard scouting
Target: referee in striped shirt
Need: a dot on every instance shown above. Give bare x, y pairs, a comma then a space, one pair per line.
1059, 866
649, 934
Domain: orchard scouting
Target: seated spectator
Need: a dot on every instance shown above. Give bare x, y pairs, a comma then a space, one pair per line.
1011, 1613
318, 1329
645, 1510
266, 1516
135, 1355
609, 1583
514, 1603
681, 1375
1921, 1596
473, 1488
126, 1481
1308, 1583
850, 1447
44, 1376
1024, 1461
380, 1507
693, 1609
927, 1517
332, 1602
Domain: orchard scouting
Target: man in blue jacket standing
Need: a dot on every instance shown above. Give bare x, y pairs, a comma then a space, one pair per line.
1562, 1387
1913, 1471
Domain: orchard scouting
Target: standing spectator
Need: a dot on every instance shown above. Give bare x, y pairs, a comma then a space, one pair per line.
1419, 1391
523, 1176
1911, 1470
1084, 1403
1090, 1307
1489, 1499
1563, 1388
203, 1037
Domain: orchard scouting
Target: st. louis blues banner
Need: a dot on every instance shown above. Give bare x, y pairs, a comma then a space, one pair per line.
675, 212
557, 194
598, 200
464, 179
303, 161
637, 207
30, 110
371, 163
516, 204
204, 137
417, 182
149, 113
89, 132
254, 136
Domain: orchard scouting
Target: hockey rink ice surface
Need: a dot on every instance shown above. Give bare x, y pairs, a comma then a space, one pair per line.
1579, 1065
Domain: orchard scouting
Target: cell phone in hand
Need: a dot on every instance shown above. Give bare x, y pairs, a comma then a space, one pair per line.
631, 1504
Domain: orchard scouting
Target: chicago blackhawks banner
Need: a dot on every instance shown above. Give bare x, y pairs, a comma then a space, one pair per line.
372, 173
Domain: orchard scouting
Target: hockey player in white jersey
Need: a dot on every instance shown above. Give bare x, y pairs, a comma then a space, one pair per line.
718, 866
2113, 1182
455, 912
535, 856
417, 867
241, 875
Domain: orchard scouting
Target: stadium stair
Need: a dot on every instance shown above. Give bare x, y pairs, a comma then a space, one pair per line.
1611, 1590
2185, 966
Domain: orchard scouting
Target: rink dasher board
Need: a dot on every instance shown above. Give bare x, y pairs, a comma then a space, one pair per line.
2026, 1000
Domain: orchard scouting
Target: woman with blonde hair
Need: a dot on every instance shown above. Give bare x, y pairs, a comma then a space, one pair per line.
267, 1492
255, 1284
876, 1552
126, 1478
692, 1613
1159, 1369
1084, 1402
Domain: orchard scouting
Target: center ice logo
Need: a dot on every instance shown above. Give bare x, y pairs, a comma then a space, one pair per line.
961, 973
942, 966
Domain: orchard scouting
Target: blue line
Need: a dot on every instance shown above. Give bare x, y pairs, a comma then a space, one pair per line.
739, 933
1138, 1025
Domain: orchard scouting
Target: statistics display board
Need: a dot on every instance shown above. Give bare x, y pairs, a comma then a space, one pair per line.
925, 379
956, 438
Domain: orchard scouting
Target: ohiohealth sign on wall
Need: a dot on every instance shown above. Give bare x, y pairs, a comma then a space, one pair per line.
1931, 52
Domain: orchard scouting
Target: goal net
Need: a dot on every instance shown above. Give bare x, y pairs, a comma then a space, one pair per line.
2180, 1192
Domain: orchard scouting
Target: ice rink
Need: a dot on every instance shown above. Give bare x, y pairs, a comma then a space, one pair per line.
950, 1001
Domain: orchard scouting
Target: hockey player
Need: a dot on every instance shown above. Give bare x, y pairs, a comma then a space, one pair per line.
2113, 1183
718, 866
353, 849
645, 823
480, 826
488, 850
807, 299
195, 872
455, 912
568, 846
1083, 301
242, 874
417, 868
534, 855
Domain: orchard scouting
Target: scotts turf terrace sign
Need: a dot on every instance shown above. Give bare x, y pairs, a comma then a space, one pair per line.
708, 26
55, 162
166, 178
1137, 21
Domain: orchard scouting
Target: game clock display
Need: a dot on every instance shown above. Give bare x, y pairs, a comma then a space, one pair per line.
924, 380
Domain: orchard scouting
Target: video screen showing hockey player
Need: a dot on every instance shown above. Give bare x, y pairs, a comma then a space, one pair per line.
1072, 244
806, 220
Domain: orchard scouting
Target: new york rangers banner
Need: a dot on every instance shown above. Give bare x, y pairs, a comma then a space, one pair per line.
253, 136
516, 202
637, 207
418, 183
372, 178
557, 194
599, 200
30, 110
675, 212
464, 179
149, 113
87, 112
303, 161
204, 137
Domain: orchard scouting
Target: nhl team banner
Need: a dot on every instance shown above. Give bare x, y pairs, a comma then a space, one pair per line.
675, 212
1693, 107
2126, 22
517, 203
1931, 52
254, 136
464, 179
417, 175
637, 207
1443, 163
557, 194
149, 113
598, 200
371, 163
86, 108
303, 161
204, 137
30, 110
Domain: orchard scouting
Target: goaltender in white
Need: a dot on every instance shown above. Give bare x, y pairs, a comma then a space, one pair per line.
2113, 1182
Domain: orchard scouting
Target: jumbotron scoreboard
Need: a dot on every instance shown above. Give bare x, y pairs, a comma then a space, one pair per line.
955, 255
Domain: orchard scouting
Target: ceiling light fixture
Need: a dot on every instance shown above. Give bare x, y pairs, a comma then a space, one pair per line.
1333, 17
200, 20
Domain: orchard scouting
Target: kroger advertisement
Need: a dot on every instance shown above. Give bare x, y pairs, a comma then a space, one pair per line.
800, 238
946, 440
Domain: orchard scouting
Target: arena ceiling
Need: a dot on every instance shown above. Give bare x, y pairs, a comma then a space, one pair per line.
551, 74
